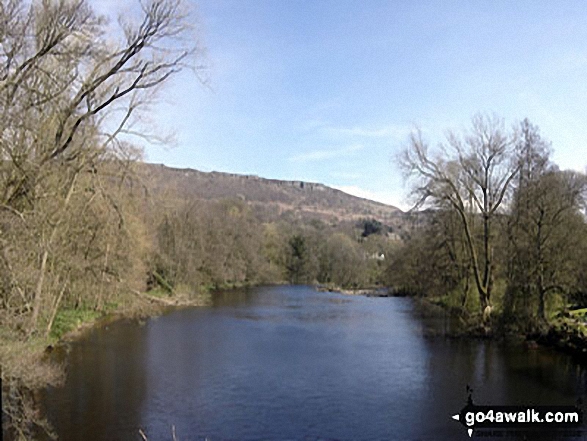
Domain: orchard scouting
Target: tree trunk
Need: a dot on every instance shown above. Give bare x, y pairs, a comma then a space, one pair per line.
38, 298
39, 290
54, 311
541, 294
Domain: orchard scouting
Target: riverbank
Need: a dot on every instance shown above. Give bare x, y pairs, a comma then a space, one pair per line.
366, 291
278, 347
31, 363
566, 332
37, 369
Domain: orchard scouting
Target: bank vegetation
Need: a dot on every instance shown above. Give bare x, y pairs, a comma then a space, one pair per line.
83, 232
505, 243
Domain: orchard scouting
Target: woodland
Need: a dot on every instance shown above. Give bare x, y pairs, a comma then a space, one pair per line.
498, 232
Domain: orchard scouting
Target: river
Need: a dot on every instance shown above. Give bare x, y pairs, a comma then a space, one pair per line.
289, 362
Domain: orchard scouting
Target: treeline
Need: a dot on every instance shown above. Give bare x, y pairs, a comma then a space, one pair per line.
82, 231
73, 88
214, 244
71, 95
506, 236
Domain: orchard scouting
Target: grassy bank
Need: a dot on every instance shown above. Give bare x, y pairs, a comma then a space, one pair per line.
363, 290
564, 330
27, 367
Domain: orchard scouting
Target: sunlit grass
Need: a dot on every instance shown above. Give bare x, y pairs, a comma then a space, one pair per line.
67, 320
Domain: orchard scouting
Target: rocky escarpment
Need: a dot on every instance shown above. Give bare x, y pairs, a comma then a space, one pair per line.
271, 197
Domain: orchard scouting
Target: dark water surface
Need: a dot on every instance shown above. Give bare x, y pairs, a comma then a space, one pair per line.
292, 363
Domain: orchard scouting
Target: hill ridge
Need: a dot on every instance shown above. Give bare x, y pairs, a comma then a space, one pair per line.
272, 197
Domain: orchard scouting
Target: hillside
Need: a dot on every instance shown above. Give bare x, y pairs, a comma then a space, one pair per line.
271, 198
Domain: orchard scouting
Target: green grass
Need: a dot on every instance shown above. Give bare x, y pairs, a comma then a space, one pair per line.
69, 319
111, 306
159, 292
579, 314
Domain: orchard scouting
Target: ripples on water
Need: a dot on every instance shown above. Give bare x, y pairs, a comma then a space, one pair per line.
292, 363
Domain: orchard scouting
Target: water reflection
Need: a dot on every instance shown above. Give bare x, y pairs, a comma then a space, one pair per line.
291, 363
498, 373
106, 384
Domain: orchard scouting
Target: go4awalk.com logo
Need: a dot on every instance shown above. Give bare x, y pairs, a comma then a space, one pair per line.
545, 419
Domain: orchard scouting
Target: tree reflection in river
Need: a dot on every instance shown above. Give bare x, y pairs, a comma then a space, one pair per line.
102, 399
288, 362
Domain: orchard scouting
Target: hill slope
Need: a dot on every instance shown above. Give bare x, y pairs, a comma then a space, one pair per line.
271, 198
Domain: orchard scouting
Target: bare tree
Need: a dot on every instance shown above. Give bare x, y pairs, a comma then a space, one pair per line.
545, 219
472, 174
68, 91
549, 234
62, 78
72, 90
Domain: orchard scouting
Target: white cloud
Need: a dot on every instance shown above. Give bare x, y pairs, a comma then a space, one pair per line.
345, 175
391, 131
319, 155
385, 197
319, 126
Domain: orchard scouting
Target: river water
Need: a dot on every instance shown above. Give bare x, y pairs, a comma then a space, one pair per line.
288, 362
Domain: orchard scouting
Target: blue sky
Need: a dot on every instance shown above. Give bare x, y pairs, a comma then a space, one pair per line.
327, 91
